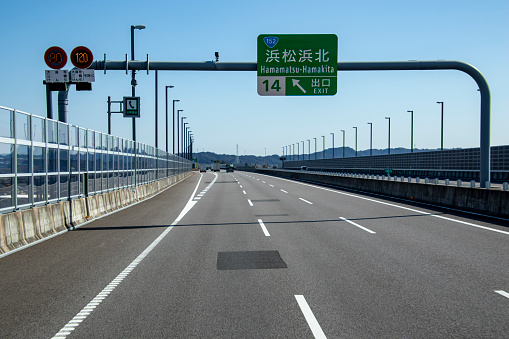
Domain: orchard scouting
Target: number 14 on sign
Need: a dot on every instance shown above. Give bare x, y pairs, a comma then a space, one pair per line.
272, 86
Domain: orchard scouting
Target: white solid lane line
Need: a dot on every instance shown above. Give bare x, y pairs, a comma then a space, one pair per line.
90, 307
504, 293
249, 201
264, 229
357, 225
309, 202
310, 317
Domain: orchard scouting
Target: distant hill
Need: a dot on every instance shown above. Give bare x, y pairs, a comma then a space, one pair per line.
206, 158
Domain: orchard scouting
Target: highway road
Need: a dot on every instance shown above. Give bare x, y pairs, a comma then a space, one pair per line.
244, 255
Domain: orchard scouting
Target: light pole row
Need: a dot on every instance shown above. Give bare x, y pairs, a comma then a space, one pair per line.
371, 137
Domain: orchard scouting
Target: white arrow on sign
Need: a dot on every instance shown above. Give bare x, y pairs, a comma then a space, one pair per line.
296, 83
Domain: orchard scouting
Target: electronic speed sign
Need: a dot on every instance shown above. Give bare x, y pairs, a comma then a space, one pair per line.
81, 57
55, 57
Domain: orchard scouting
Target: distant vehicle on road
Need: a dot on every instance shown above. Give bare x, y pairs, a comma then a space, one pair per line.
203, 170
216, 167
229, 168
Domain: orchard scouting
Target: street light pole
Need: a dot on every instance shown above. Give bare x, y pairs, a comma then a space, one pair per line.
178, 131
343, 142
370, 138
389, 133
309, 149
298, 151
411, 131
183, 125
185, 143
323, 136
166, 93
315, 148
332, 145
173, 132
133, 73
156, 101
355, 141
442, 128
303, 150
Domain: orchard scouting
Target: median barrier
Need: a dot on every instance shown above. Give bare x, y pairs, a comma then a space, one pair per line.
21, 228
493, 202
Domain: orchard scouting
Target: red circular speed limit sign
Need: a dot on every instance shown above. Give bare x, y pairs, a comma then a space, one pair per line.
55, 57
81, 57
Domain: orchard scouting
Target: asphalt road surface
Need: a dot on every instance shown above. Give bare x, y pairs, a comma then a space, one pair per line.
243, 255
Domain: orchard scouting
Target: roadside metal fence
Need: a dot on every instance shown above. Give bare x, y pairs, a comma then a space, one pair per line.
43, 161
453, 164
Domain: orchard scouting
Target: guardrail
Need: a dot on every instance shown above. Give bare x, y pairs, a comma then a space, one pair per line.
423, 180
43, 161
452, 164
494, 201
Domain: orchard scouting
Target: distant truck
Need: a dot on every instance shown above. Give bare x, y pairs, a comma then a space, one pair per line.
216, 167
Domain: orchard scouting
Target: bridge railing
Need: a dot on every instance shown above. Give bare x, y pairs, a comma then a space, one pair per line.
452, 164
43, 161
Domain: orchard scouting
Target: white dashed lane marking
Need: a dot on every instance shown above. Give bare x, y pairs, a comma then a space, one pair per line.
357, 225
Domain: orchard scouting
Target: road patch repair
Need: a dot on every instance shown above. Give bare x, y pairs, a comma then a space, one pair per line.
246, 260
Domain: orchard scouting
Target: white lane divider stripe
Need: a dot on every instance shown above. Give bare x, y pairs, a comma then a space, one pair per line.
504, 293
271, 185
357, 225
264, 229
309, 202
85, 312
244, 192
283, 191
397, 206
249, 201
310, 317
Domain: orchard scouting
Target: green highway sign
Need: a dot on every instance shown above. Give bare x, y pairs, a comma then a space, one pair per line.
131, 107
297, 64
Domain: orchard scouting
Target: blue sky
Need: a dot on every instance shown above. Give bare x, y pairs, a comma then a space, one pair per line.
224, 109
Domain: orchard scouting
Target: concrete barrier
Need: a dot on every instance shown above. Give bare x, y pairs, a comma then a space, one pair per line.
493, 202
21, 228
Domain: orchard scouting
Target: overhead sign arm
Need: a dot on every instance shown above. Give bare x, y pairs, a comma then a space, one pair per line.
342, 66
